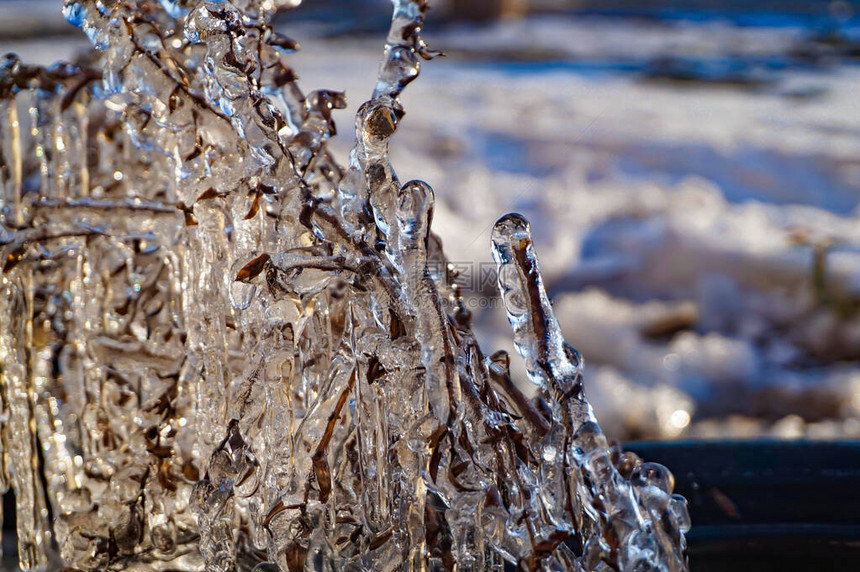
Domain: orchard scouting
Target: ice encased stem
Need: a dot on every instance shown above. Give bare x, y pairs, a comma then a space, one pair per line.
627, 513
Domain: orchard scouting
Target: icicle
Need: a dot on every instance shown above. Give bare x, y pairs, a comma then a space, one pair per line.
16, 378
10, 151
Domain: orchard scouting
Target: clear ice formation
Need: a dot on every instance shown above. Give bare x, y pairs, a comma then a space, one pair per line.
222, 351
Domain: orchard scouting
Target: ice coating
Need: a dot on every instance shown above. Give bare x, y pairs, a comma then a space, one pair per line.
628, 515
551, 363
221, 350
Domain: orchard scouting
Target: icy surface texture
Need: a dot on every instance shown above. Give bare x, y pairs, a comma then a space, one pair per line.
222, 351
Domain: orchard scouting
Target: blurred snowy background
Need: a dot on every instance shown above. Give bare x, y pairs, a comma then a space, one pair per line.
691, 170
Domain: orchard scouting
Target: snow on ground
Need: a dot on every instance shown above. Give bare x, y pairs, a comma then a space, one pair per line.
700, 240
